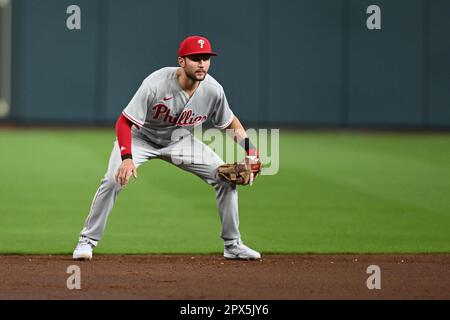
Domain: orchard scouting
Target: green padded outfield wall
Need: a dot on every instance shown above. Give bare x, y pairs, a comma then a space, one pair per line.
305, 71
53, 69
285, 62
438, 98
386, 69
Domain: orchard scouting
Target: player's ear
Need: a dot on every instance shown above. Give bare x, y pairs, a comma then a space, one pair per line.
181, 61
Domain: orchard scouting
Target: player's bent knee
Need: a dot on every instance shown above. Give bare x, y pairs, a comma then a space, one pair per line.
219, 182
110, 183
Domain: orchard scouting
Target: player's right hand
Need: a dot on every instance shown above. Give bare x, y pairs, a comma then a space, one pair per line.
125, 171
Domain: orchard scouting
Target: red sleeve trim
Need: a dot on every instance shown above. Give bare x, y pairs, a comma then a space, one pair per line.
224, 126
123, 132
138, 123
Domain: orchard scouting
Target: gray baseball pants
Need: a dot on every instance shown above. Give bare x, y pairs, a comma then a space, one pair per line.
189, 154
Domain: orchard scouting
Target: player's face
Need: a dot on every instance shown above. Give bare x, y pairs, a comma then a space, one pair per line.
196, 66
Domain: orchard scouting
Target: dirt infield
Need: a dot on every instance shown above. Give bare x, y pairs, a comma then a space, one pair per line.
275, 277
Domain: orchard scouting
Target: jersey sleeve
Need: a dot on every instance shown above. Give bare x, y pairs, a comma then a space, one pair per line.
222, 116
136, 110
123, 133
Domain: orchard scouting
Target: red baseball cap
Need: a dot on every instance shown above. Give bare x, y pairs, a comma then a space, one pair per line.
195, 45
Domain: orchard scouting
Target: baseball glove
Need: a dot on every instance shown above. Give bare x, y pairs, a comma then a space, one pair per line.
242, 173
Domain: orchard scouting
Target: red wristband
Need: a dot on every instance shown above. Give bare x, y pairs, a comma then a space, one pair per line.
253, 152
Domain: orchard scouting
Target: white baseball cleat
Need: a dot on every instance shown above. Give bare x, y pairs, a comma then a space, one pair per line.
240, 251
83, 251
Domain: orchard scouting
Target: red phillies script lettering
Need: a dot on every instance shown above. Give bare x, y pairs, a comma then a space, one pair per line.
186, 118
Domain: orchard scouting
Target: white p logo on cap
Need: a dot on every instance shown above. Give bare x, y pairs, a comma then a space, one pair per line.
201, 42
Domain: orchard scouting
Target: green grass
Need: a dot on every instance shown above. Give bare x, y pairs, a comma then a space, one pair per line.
334, 193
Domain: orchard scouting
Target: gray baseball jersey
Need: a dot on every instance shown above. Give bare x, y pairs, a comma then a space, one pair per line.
161, 106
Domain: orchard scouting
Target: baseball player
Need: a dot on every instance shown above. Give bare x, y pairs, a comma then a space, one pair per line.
167, 100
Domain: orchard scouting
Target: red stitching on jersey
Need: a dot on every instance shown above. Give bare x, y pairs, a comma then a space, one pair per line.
227, 123
140, 124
